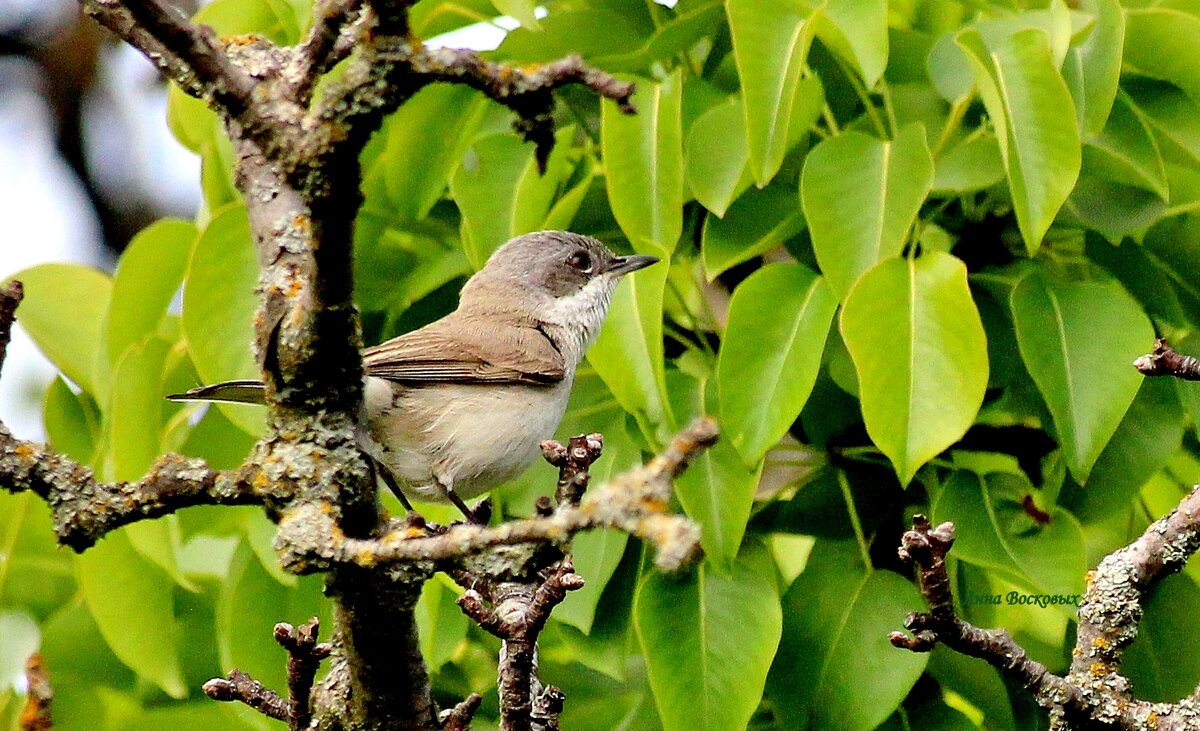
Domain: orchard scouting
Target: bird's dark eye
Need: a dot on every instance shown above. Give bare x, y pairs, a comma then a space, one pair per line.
581, 260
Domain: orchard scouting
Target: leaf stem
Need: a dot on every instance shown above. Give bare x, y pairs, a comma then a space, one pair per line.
861, 537
957, 111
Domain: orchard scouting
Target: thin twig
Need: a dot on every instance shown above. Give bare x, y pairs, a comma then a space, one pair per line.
240, 687
1166, 361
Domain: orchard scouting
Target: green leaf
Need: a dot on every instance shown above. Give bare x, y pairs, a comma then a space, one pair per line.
36, 573
921, 356
857, 30
219, 305
760, 220
129, 596
148, 276
274, 20
835, 669
1125, 151
72, 422
690, 628
643, 164
63, 312
134, 414
416, 173
1159, 44
1150, 433
971, 165
250, 605
628, 355
778, 320
861, 196
994, 532
501, 194
1031, 108
1077, 340
1093, 66
771, 39
717, 491
1153, 661
441, 624
717, 159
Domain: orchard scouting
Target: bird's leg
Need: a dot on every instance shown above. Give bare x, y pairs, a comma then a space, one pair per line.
445, 483
389, 479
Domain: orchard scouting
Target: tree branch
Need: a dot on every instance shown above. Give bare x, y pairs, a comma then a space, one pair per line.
241, 688
334, 33
1094, 691
1166, 361
635, 502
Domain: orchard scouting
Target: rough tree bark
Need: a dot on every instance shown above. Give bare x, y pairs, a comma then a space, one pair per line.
1093, 694
297, 168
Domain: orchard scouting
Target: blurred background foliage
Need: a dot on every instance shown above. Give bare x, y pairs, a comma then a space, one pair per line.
913, 248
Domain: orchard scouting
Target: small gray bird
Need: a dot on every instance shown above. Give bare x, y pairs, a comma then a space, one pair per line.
461, 405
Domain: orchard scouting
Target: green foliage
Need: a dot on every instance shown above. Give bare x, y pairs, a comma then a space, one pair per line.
996, 201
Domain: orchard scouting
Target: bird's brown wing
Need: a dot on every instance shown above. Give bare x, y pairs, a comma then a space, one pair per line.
466, 351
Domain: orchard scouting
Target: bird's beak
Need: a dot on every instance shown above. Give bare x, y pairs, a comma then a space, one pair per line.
626, 264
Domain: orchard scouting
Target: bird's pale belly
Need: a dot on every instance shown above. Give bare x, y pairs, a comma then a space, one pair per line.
472, 437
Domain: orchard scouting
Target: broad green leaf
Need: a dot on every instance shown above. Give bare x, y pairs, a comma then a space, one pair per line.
148, 276
441, 624
778, 320
1153, 661
274, 20
1150, 433
950, 71
973, 164
1111, 209
36, 573
771, 39
1174, 115
628, 355
1030, 106
72, 422
717, 156
501, 194
219, 305
861, 196
759, 220
134, 415
1093, 66
431, 18
250, 605
643, 165
1159, 43
677, 36
920, 353
717, 491
995, 532
835, 669
1077, 340
857, 30
1125, 151
417, 172
700, 623
597, 34
63, 312
127, 594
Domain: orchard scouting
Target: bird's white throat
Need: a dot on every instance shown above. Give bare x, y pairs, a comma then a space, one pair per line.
578, 317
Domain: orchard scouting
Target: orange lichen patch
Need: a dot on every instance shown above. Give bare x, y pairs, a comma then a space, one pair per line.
245, 39
260, 481
24, 450
1101, 643
1099, 669
653, 505
1088, 577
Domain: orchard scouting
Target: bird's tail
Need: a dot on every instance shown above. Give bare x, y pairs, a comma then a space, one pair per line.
238, 392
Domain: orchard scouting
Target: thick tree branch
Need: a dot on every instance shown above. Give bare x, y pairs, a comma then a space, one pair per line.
331, 39
188, 54
1094, 693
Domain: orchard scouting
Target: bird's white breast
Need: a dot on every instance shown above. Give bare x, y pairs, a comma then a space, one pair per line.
477, 436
